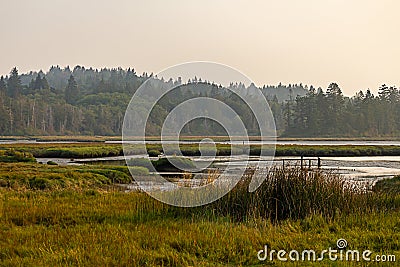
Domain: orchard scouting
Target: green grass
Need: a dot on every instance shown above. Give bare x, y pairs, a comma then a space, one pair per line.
163, 164
84, 220
388, 186
91, 228
93, 150
11, 155
23, 176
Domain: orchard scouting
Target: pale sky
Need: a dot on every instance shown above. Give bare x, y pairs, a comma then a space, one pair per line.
352, 42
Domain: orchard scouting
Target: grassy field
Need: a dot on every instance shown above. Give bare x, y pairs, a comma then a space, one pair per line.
130, 229
81, 218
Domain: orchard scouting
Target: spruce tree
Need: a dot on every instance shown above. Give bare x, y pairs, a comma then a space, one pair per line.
37, 84
72, 91
45, 83
3, 87
14, 86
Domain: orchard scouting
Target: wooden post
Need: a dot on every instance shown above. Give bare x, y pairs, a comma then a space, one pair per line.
319, 163
301, 163
309, 164
283, 163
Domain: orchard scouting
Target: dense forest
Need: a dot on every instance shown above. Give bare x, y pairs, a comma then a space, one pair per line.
93, 102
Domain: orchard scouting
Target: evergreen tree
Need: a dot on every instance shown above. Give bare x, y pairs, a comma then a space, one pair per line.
14, 86
37, 85
3, 87
384, 92
72, 91
334, 108
45, 84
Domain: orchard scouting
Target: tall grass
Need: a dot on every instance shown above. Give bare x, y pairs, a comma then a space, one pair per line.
99, 228
296, 194
90, 225
289, 192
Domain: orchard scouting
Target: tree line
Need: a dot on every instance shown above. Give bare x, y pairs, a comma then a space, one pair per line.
330, 113
93, 102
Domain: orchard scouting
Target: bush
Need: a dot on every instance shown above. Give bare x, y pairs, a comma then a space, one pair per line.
169, 164
154, 153
163, 164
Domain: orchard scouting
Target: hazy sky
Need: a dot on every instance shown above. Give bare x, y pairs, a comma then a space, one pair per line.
352, 42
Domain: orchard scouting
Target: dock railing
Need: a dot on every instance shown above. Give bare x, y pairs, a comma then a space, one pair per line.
304, 162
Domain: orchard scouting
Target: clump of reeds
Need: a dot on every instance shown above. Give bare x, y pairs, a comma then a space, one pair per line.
293, 193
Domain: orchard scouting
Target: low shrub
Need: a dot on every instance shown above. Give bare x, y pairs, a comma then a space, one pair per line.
153, 153
173, 164
163, 164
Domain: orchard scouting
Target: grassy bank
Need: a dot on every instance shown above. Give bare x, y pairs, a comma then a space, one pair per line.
93, 150
85, 220
89, 138
33, 176
11, 155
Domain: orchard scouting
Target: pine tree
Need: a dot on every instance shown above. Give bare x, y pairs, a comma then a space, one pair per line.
72, 91
335, 105
37, 84
384, 92
3, 87
14, 86
45, 84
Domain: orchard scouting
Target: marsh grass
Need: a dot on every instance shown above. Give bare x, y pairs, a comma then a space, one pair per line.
296, 193
95, 149
388, 186
11, 155
95, 224
34, 176
170, 164
109, 228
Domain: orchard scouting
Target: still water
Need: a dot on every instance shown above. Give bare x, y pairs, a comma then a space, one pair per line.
356, 168
278, 142
369, 169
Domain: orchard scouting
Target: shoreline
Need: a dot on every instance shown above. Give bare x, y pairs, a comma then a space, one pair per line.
88, 138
